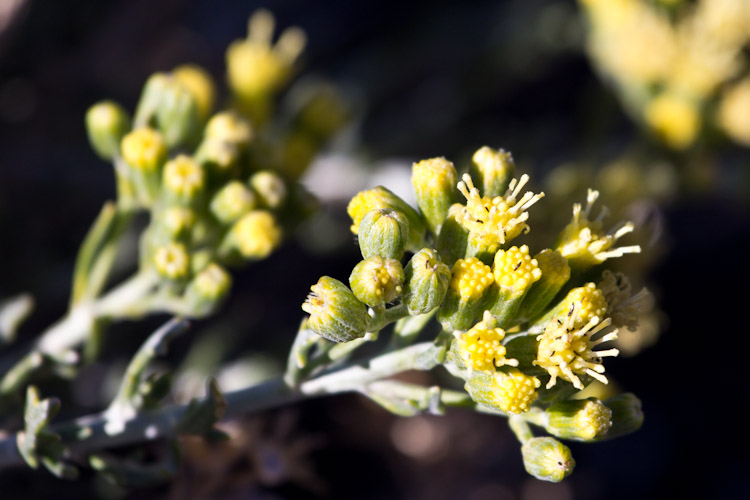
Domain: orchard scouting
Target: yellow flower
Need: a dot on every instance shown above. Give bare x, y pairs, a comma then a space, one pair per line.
566, 351
200, 85
172, 261
257, 234
492, 222
515, 271
674, 118
184, 178
508, 389
471, 278
144, 149
377, 281
481, 347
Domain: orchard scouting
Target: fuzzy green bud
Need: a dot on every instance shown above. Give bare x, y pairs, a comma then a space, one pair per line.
383, 232
106, 124
426, 282
453, 241
555, 273
232, 202
380, 197
335, 313
208, 289
547, 459
434, 183
579, 420
172, 107
493, 170
627, 415
377, 280
269, 188
470, 291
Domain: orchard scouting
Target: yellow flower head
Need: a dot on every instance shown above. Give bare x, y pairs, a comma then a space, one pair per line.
513, 391
229, 127
481, 347
492, 222
256, 67
257, 234
232, 202
567, 351
589, 301
172, 261
184, 177
515, 271
471, 278
377, 280
584, 242
554, 266
144, 148
622, 306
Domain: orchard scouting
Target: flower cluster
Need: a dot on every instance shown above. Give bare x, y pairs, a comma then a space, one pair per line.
672, 62
219, 186
522, 329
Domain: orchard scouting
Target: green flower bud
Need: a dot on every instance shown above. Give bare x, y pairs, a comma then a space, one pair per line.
434, 183
208, 289
493, 169
627, 415
555, 273
547, 459
579, 420
184, 181
232, 202
470, 291
255, 235
335, 313
269, 188
383, 232
453, 241
427, 280
106, 124
380, 197
377, 281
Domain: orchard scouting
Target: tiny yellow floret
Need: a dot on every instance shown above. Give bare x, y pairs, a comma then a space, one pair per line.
229, 127
481, 347
184, 177
515, 271
144, 149
514, 392
213, 282
675, 119
257, 234
470, 278
172, 261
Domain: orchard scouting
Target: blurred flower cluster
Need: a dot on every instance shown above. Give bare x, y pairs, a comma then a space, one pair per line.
680, 67
522, 329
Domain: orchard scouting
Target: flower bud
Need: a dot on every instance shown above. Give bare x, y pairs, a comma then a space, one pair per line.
383, 232
170, 105
452, 242
493, 169
200, 84
106, 124
208, 289
579, 420
144, 151
481, 347
426, 282
377, 280
219, 159
175, 223
255, 235
335, 313
172, 261
434, 183
269, 188
515, 272
588, 300
228, 126
508, 390
380, 197
555, 273
470, 291
627, 415
184, 180
232, 202
547, 459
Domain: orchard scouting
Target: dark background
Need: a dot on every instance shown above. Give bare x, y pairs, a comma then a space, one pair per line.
431, 78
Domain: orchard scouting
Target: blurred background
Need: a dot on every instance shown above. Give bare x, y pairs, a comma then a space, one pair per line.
423, 79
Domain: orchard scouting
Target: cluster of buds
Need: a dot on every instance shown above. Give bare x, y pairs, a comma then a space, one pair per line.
219, 185
522, 329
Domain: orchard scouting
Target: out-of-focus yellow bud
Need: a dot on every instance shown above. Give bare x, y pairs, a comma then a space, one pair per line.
184, 180
176, 222
208, 289
627, 415
434, 182
269, 189
377, 280
674, 119
547, 459
144, 151
335, 313
200, 84
493, 170
256, 234
172, 261
232, 202
733, 115
228, 126
106, 124
579, 420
